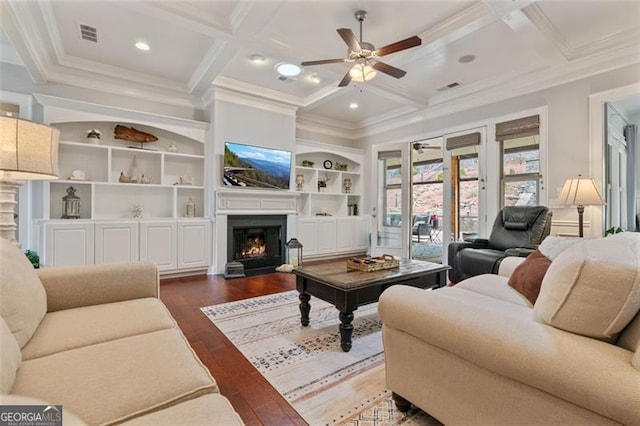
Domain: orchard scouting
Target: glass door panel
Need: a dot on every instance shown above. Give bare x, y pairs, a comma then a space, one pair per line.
427, 199
391, 218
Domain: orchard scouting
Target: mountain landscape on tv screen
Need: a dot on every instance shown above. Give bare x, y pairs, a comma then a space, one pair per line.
242, 168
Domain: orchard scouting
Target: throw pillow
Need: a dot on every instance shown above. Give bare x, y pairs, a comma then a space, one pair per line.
527, 277
23, 300
551, 246
593, 287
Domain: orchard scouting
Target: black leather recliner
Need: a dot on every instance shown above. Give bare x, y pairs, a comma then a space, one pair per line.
517, 231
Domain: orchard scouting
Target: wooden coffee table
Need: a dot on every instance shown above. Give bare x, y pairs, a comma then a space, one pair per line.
347, 289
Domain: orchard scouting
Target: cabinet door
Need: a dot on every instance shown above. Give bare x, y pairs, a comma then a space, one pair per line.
345, 236
362, 231
158, 244
326, 235
68, 244
308, 236
194, 244
116, 242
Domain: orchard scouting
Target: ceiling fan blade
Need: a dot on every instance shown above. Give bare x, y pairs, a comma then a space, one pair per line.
349, 38
388, 69
323, 61
345, 80
399, 45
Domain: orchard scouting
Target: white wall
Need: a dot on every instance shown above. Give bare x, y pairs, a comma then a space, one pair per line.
244, 119
568, 129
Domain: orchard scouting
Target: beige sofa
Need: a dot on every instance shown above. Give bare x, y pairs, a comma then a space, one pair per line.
98, 341
480, 353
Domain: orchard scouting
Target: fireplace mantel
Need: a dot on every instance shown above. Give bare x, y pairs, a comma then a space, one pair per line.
248, 201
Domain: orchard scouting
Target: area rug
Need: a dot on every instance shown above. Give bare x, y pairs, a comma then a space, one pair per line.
306, 365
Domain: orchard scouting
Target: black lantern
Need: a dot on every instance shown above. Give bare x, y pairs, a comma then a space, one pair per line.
294, 252
71, 204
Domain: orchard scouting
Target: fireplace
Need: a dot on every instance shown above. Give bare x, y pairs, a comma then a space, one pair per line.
258, 242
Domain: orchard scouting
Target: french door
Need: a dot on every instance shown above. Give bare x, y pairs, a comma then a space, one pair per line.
429, 193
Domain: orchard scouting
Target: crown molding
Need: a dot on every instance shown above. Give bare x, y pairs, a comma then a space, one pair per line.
256, 91
322, 146
205, 65
239, 98
15, 19
324, 127
101, 83
614, 41
124, 113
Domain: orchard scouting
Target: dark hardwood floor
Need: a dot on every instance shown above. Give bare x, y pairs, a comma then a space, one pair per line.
251, 395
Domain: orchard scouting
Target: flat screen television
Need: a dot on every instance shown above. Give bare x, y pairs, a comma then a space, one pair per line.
256, 167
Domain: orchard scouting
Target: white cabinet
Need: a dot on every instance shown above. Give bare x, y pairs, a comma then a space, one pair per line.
68, 244
158, 244
326, 235
329, 236
308, 235
345, 233
116, 242
177, 246
194, 244
362, 232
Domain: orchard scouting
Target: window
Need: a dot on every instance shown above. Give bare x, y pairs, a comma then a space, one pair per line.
521, 171
392, 195
520, 175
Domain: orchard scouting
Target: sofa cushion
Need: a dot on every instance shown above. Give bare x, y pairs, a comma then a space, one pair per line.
630, 336
635, 361
117, 380
10, 357
88, 325
68, 418
495, 286
23, 301
527, 276
593, 288
209, 409
551, 247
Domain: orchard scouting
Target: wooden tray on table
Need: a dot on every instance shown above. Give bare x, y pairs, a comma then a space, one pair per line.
370, 264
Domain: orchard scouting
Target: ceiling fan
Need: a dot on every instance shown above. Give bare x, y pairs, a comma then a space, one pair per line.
365, 55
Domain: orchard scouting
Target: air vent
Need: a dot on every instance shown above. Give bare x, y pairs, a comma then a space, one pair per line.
88, 33
449, 86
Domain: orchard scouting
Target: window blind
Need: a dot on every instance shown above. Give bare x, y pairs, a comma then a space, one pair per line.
463, 141
519, 128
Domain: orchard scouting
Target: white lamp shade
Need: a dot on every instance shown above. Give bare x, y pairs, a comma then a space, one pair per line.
361, 72
580, 192
28, 150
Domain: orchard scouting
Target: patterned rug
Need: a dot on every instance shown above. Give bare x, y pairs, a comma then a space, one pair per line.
306, 365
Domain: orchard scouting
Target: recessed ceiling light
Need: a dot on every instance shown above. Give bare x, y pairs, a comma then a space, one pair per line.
142, 46
466, 59
353, 105
257, 58
288, 70
315, 78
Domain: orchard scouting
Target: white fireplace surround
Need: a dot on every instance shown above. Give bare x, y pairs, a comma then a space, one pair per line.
250, 202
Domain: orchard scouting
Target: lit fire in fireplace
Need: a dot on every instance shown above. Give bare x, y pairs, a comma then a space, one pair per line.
254, 247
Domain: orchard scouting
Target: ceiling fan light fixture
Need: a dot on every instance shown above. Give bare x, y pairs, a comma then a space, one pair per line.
362, 72
288, 70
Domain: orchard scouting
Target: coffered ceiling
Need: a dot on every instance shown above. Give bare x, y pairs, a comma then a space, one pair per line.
198, 45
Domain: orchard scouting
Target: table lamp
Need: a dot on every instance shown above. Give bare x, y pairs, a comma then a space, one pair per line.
28, 151
580, 192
